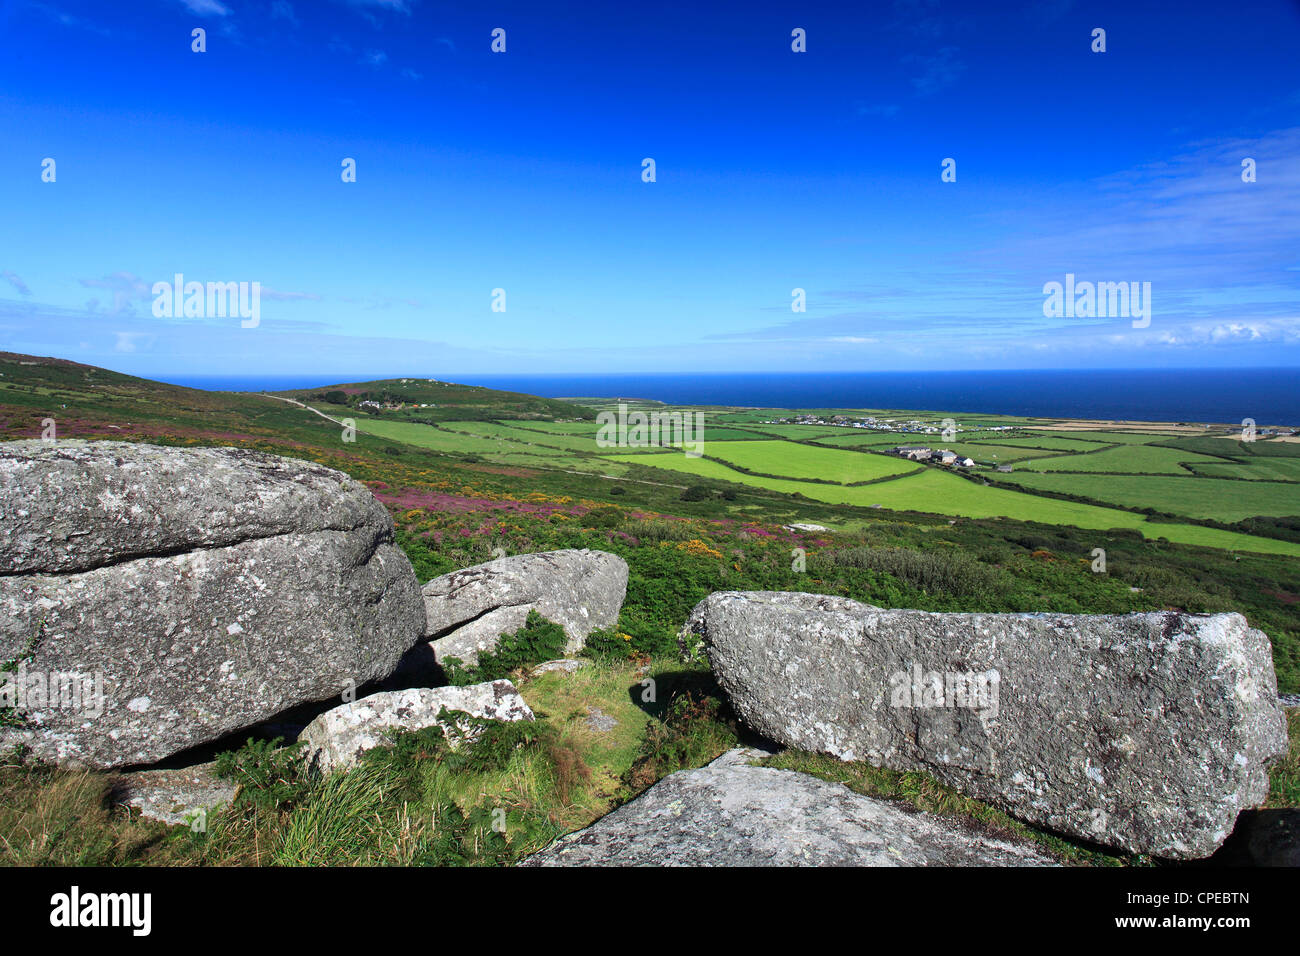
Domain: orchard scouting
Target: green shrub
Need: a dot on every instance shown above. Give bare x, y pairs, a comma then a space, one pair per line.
697, 726
269, 776
654, 530
537, 641
605, 645
934, 571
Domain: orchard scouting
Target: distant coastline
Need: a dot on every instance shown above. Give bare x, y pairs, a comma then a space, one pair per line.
1269, 396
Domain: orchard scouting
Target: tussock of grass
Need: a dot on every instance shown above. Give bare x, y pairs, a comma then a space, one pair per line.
344, 823
51, 817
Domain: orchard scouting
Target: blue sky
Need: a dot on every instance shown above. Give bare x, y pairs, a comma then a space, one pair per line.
522, 171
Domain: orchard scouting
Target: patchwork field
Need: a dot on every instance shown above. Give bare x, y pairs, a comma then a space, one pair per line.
1115, 474
1119, 473
791, 460
938, 492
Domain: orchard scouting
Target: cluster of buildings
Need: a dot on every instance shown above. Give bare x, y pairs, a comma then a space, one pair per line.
942, 456
913, 427
393, 406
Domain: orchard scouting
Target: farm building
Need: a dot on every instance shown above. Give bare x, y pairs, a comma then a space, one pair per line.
914, 452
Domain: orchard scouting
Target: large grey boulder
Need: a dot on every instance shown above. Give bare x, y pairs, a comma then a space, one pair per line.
468, 610
161, 598
337, 738
1145, 732
733, 814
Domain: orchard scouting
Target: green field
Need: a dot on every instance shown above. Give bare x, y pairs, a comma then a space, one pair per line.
1254, 469
1110, 438
939, 492
500, 449
805, 461
536, 440
1053, 443
1130, 459
990, 454
862, 437
1213, 498
802, 432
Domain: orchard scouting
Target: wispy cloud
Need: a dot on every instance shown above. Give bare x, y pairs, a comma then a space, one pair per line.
16, 281
938, 71
275, 296
206, 8
283, 10
921, 17
125, 287
67, 19
367, 7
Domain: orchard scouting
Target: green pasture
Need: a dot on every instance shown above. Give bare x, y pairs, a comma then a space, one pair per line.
806, 461
1214, 498
1131, 459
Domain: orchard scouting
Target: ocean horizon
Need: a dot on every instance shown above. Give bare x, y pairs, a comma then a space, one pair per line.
1268, 395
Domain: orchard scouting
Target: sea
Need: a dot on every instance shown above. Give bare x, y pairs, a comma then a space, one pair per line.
1269, 396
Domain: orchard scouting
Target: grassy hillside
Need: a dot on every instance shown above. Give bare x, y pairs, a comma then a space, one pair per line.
427, 399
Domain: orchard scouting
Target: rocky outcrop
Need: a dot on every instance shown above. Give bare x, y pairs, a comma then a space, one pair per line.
161, 598
181, 797
337, 738
469, 610
1145, 732
733, 814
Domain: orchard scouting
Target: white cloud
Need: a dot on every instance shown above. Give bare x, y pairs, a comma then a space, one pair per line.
207, 8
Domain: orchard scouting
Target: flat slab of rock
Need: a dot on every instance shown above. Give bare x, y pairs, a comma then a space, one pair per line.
468, 610
175, 797
168, 597
565, 665
600, 721
733, 814
1145, 732
337, 738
